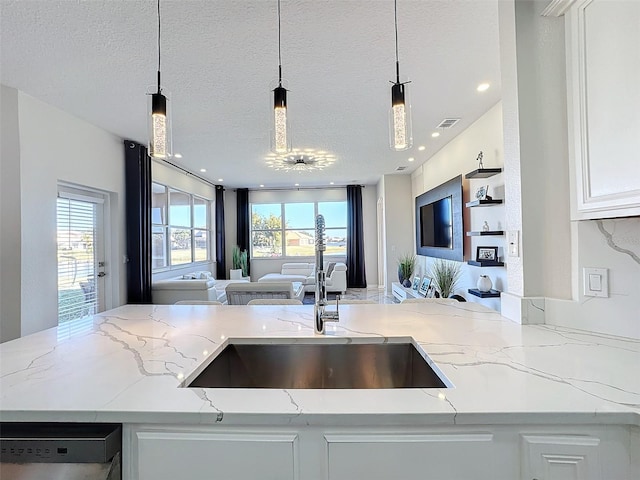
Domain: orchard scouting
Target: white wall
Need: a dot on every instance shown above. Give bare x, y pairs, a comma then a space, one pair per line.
543, 151
262, 266
398, 221
459, 157
57, 147
10, 223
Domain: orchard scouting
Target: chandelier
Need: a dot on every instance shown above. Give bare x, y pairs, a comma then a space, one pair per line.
299, 160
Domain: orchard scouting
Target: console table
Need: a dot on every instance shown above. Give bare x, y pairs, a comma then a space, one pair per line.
400, 292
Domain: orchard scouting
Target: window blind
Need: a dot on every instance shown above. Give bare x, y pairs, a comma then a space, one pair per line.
76, 238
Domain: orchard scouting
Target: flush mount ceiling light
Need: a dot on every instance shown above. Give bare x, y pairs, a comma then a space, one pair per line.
159, 115
400, 135
280, 138
483, 87
299, 160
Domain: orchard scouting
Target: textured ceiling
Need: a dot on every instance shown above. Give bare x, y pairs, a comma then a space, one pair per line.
96, 59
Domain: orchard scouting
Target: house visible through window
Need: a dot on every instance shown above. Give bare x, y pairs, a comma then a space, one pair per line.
181, 231
288, 229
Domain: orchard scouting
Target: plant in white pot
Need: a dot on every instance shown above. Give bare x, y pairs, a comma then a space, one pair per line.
446, 275
239, 263
406, 266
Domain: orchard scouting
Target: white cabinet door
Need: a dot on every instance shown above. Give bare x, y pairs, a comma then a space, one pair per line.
603, 74
197, 455
551, 457
409, 457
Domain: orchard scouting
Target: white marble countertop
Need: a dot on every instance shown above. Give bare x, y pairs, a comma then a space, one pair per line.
126, 365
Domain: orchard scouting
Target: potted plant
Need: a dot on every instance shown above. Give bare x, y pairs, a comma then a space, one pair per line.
406, 266
239, 263
445, 275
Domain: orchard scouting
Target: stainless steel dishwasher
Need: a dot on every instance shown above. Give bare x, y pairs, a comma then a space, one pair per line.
52, 451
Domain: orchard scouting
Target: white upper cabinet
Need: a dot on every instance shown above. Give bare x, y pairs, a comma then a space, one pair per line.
603, 80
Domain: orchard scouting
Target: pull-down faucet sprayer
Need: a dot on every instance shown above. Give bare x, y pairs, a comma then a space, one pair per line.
320, 314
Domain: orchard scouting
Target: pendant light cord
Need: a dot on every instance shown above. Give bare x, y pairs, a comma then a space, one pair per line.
395, 17
159, 90
279, 54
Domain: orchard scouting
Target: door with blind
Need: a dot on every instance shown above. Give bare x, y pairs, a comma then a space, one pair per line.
80, 239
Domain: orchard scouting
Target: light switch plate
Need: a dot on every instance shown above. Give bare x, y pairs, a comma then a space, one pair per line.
513, 240
596, 282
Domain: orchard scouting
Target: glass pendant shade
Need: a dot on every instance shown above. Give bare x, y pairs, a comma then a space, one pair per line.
160, 145
280, 137
400, 134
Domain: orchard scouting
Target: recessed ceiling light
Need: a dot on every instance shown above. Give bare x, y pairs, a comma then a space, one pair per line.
178, 155
411, 159
422, 148
220, 180
483, 87
297, 185
435, 134
261, 185
203, 170
330, 183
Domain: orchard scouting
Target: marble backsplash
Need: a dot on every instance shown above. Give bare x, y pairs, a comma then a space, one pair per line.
613, 244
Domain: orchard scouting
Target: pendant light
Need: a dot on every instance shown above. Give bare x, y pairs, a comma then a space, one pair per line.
400, 135
280, 138
159, 116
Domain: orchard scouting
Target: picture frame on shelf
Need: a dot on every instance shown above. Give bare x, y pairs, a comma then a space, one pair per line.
481, 192
487, 254
424, 286
416, 283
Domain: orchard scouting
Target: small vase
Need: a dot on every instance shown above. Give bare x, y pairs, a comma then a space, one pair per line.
484, 283
406, 283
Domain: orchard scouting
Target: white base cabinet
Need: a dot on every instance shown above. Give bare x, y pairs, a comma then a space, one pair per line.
402, 453
560, 457
443, 456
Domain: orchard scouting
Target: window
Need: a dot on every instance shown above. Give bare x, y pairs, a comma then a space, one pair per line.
295, 223
180, 228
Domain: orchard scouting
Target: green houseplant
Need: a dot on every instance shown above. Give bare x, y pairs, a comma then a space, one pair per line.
445, 275
406, 266
239, 262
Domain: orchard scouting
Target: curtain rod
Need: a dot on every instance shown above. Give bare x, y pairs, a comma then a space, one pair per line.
187, 172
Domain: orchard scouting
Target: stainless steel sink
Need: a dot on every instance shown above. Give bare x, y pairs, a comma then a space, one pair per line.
318, 365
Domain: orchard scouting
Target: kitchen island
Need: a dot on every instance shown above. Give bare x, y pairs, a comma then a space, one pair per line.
524, 400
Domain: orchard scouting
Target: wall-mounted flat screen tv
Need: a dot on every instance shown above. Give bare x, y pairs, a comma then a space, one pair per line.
439, 221
436, 224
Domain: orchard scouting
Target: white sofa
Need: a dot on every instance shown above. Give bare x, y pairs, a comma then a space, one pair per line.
242, 293
172, 290
306, 274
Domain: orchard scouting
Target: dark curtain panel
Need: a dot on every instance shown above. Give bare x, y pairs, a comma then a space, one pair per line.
221, 264
356, 276
244, 222
138, 221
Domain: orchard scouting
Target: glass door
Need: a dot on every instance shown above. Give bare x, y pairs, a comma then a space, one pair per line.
80, 256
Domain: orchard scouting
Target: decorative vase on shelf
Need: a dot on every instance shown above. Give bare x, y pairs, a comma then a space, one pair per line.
484, 283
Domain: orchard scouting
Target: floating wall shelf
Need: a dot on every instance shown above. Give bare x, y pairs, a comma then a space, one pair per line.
483, 203
490, 294
483, 173
485, 264
485, 233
